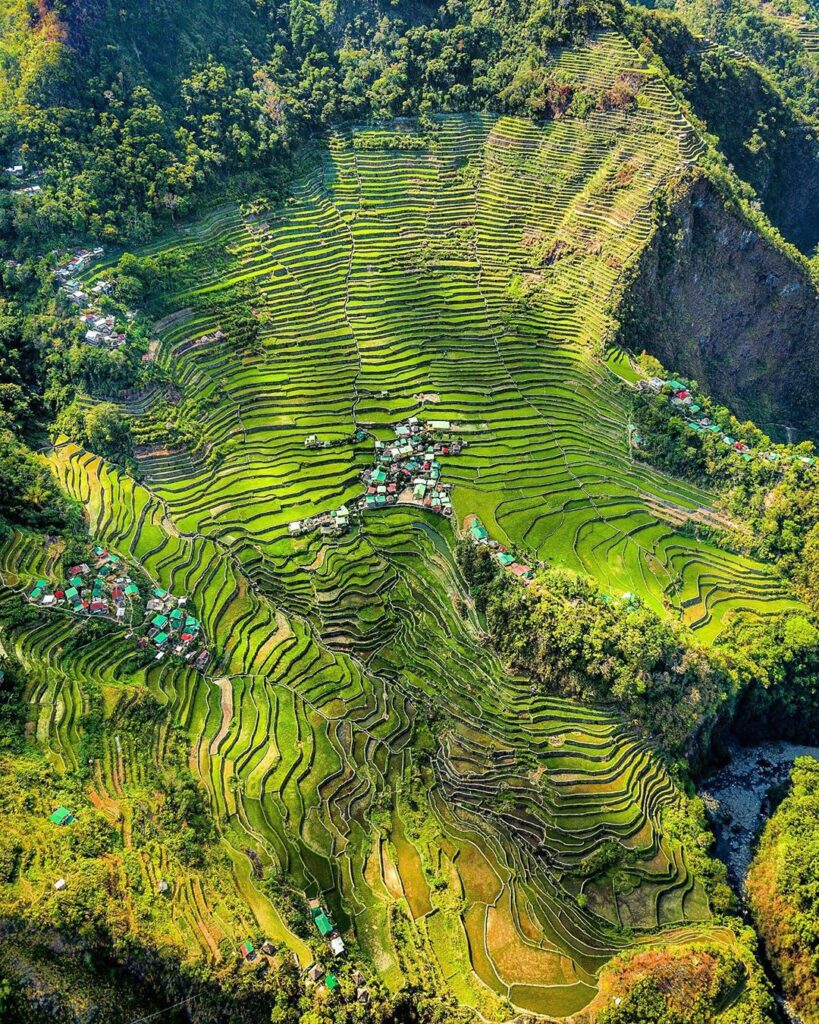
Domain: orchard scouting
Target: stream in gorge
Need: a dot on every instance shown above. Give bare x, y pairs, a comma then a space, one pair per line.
739, 798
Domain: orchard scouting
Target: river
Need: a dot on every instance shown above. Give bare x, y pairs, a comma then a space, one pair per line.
739, 799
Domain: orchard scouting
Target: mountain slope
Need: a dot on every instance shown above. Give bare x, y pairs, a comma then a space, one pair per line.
480, 843
724, 306
355, 739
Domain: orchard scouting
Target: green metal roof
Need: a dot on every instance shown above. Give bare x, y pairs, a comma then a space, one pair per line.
61, 816
324, 924
331, 981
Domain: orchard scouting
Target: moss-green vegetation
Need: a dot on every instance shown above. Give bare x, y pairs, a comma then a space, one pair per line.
782, 888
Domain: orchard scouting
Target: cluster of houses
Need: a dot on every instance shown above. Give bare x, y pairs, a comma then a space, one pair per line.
326, 929
17, 171
101, 329
104, 589
250, 954
172, 629
312, 440
329, 524
316, 974
408, 469
479, 535
405, 470
684, 402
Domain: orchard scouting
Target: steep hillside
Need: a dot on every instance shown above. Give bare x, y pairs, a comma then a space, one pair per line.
782, 889
262, 740
357, 740
770, 140
719, 302
780, 37
156, 43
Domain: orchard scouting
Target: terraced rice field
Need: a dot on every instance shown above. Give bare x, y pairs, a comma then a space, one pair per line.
481, 269
354, 732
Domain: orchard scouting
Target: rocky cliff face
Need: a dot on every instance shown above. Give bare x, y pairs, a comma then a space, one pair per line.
770, 143
716, 301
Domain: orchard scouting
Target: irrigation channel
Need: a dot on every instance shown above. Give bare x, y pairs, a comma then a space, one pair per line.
740, 798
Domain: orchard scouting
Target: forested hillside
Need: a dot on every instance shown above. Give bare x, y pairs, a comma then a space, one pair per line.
782, 887
370, 601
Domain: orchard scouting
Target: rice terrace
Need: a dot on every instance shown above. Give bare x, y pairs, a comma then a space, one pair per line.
406, 367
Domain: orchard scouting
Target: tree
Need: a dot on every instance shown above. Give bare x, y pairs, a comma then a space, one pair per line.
107, 431
5, 996
29, 495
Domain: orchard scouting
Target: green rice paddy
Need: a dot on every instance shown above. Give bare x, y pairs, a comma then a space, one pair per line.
354, 732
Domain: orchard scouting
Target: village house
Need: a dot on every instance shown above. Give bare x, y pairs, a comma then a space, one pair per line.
110, 592
61, 816
478, 531
315, 974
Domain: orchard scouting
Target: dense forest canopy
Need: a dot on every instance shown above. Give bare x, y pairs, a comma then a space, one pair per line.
130, 127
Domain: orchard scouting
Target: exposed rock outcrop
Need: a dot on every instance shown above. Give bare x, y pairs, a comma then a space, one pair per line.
715, 300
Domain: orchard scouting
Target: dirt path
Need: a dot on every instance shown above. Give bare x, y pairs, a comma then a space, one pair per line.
226, 701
